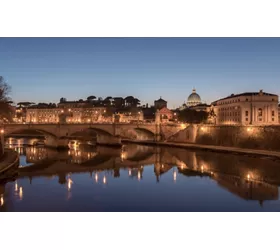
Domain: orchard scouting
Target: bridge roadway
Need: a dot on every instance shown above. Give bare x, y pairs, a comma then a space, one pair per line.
57, 135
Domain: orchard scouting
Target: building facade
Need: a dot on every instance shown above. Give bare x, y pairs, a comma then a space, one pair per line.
251, 108
65, 115
160, 103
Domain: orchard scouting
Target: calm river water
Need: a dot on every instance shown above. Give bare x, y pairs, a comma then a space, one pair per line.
139, 178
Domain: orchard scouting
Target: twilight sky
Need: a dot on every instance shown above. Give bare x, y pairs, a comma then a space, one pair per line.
45, 69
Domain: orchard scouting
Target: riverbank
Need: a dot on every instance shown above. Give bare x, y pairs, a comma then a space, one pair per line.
8, 162
221, 149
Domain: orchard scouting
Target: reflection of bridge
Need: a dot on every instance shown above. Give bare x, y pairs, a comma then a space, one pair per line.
241, 176
107, 133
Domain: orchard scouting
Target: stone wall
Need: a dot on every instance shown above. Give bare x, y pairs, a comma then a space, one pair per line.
255, 137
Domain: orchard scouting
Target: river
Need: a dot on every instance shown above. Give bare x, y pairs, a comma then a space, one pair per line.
138, 178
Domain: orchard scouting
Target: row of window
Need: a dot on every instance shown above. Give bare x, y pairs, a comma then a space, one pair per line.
230, 114
230, 101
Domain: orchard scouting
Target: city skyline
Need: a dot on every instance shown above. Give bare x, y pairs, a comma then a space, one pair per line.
46, 69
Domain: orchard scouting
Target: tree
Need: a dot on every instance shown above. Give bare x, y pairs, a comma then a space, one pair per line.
6, 112
5, 90
192, 116
62, 100
25, 104
91, 98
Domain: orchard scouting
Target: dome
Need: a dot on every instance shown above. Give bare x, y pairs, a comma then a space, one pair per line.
193, 99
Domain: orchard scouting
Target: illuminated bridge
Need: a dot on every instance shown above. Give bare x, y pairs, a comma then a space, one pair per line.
58, 135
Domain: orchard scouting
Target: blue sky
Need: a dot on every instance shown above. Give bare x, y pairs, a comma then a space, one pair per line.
45, 69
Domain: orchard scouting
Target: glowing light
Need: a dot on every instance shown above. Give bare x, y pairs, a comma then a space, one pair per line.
69, 184
20, 193
183, 126
249, 129
104, 180
212, 173
129, 172
2, 131
202, 128
1, 200
139, 175
248, 177
16, 187
174, 175
96, 177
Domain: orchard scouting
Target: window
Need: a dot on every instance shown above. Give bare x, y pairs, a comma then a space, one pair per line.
273, 119
247, 100
246, 113
246, 119
272, 113
260, 119
260, 112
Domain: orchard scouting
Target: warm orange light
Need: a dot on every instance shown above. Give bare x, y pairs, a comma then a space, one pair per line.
249, 129
69, 184
2, 131
20, 193
174, 175
139, 175
96, 177
104, 180
1, 200
183, 126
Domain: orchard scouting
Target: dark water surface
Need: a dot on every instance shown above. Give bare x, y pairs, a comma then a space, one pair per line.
140, 178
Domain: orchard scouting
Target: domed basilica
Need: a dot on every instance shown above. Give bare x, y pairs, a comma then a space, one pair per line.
193, 100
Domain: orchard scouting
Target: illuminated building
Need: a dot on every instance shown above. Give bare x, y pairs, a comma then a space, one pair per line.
255, 108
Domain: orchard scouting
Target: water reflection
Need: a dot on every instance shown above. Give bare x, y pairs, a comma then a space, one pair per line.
248, 178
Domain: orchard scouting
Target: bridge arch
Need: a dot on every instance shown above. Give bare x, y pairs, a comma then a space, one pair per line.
20, 131
144, 134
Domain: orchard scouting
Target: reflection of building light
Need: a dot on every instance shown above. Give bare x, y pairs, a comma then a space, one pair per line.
162, 166
139, 175
104, 180
69, 184
174, 175
20, 193
96, 177
129, 172
1, 200
16, 187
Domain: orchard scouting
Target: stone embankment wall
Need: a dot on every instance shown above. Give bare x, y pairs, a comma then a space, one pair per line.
254, 137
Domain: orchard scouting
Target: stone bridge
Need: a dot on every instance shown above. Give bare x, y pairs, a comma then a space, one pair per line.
58, 135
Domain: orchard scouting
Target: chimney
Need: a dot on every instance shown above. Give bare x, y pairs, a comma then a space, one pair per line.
261, 92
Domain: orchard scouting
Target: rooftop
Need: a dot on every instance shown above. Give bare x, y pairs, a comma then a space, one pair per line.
160, 100
246, 94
